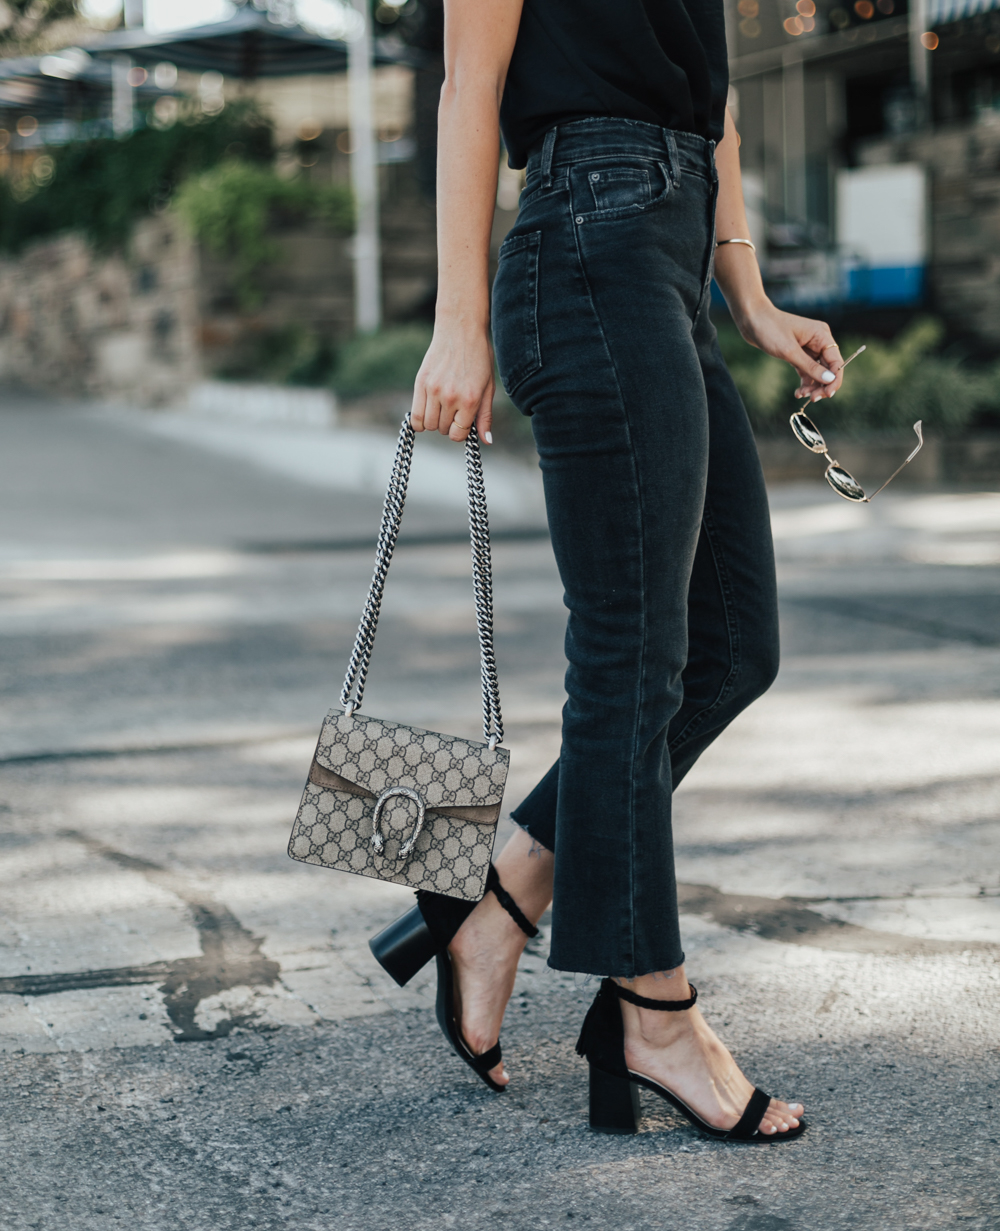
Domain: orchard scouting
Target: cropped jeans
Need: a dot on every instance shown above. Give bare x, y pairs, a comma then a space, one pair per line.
657, 510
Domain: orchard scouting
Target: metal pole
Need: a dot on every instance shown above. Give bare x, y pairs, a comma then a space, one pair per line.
364, 179
122, 120
920, 62
793, 123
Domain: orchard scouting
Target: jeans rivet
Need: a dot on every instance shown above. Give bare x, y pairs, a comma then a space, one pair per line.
595, 176
578, 219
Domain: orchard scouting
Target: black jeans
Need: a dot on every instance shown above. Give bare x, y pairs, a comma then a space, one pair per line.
657, 509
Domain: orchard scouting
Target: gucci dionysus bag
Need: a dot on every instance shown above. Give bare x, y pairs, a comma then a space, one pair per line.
395, 802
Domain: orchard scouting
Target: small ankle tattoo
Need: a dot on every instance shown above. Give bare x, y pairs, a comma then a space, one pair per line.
537, 850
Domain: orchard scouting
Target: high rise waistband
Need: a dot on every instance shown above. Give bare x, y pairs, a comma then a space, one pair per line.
604, 136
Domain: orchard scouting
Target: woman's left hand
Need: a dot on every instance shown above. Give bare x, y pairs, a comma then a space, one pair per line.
806, 344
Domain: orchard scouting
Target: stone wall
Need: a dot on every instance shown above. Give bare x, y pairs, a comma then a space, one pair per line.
121, 325
143, 325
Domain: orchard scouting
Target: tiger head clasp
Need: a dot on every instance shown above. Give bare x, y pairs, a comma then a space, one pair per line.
378, 841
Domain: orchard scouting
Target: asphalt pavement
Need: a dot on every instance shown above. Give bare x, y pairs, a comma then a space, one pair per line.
193, 1033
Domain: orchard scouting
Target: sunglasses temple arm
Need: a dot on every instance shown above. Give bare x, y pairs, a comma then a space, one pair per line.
920, 445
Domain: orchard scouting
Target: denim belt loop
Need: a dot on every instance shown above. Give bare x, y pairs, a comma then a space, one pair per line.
673, 161
711, 161
548, 149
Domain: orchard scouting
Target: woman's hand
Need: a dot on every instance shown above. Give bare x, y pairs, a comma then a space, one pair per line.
454, 387
806, 344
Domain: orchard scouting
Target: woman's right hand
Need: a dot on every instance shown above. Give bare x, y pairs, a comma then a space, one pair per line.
454, 387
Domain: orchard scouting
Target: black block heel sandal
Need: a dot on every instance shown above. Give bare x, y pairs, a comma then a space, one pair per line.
426, 931
614, 1088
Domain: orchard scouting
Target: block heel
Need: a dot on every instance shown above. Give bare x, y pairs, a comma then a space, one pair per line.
614, 1103
404, 947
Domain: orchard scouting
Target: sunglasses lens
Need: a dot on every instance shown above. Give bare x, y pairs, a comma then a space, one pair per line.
844, 484
807, 432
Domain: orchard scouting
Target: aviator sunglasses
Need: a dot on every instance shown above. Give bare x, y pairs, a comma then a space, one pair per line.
841, 480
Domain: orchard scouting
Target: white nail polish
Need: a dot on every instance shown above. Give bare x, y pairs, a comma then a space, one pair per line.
833, 393
488, 437
827, 377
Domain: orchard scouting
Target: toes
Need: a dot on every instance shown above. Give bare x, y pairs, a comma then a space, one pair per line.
500, 1075
780, 1117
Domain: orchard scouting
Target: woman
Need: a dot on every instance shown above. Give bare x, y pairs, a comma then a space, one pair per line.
655, 497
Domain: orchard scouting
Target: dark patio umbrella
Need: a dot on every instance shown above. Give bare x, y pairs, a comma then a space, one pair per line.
250, 44
54, 85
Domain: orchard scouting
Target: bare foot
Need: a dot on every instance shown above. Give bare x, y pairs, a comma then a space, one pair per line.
488, 945
683, 1053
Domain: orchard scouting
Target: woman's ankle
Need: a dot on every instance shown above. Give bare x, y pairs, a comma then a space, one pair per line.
525, 869
660, 985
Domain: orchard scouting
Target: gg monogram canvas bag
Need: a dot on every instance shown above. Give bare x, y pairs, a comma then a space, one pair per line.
392, 801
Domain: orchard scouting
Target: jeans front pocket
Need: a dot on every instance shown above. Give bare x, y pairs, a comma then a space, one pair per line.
616, 188
620, 187
515, 309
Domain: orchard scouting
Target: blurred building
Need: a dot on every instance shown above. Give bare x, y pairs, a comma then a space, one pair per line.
871, 153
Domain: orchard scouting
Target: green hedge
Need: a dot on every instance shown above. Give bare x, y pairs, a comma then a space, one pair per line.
100, 187
886, 389
384, 361
231, 207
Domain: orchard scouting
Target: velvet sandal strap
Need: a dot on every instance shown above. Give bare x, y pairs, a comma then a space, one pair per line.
489, 1059
748, 1123
644, 1002
509, 905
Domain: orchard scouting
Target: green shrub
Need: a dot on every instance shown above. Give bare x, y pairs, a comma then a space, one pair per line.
886, 389
231, 207
100, 187
386, 360
293, 355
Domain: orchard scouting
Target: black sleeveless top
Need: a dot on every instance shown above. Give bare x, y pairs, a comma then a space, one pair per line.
661, 61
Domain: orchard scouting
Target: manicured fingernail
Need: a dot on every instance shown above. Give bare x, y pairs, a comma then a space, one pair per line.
827, 377
832, 393
488, 437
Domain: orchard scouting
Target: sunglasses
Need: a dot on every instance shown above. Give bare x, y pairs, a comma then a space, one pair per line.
841, 480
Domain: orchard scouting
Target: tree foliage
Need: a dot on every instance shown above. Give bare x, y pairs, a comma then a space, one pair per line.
231, 208
23, 23
100, 187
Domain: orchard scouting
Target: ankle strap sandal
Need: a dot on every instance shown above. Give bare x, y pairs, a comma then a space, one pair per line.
426, 931
614, 1088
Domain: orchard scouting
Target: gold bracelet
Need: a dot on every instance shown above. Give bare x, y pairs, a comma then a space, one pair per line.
749, 243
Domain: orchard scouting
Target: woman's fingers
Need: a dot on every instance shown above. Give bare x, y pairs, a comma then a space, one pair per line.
417, 406
432, 411
479, 413
817, 359
484, 416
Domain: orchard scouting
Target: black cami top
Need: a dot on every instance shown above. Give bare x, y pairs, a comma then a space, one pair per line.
661, 61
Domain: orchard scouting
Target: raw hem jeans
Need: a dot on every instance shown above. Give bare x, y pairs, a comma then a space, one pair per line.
657, 510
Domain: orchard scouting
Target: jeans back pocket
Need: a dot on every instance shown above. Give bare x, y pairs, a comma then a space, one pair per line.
515, 309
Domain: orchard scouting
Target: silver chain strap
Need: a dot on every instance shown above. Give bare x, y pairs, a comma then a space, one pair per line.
482, 579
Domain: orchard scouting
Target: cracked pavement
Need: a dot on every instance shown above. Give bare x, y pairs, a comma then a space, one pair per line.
192, 1030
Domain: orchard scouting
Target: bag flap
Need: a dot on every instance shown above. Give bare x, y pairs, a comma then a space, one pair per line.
449, 772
